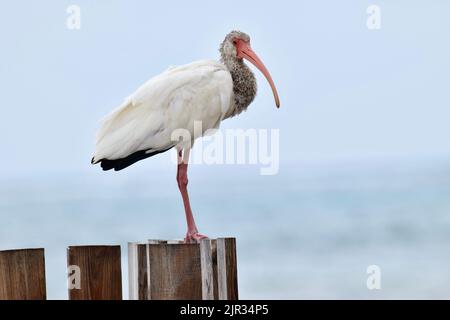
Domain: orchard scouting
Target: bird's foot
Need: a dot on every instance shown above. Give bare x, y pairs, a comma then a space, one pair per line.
194, 237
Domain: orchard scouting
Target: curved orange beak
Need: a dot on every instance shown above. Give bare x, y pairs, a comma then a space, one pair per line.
245, 51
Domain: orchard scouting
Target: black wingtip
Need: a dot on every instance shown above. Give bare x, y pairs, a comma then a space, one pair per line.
107, 164
122, 163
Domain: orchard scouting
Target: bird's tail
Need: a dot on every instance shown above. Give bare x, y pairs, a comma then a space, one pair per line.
122, 163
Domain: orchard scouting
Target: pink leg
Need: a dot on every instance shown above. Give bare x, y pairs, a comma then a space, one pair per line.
192, 234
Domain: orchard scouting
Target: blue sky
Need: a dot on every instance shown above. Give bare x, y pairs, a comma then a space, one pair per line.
346, 92
348, 95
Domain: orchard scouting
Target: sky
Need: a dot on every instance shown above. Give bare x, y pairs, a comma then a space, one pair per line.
346, 92
349, 95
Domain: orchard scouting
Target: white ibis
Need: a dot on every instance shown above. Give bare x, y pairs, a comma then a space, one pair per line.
206, 91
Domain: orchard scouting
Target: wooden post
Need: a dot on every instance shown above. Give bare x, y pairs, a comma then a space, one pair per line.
172, 270
138, 275
227, 269
100, 272
208, 256
22, 275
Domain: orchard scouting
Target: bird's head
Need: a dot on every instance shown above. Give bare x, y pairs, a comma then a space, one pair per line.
236, 46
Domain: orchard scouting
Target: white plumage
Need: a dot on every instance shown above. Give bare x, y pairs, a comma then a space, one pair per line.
199, 91
168, 107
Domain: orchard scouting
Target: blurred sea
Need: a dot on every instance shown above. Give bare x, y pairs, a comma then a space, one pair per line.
305, 233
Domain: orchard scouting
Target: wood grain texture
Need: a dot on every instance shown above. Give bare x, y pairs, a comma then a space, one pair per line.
138, 275
227, 269
172, 270
101, 275
22, 275
208, 259
175, 271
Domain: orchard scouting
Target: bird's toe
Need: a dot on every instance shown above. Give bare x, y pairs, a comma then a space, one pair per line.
194, 237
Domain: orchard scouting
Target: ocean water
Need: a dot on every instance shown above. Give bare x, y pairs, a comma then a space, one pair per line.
306, 233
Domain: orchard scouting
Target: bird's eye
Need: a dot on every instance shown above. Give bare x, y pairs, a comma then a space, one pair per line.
234, 41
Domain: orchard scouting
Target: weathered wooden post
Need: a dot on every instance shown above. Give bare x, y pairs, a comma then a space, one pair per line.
100, 272
173, 270
227, 269
208, 260
138, 275
22, 274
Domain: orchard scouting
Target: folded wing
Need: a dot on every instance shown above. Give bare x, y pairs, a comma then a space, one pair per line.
142, 126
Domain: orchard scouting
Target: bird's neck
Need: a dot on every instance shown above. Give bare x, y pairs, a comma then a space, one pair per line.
244, 85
